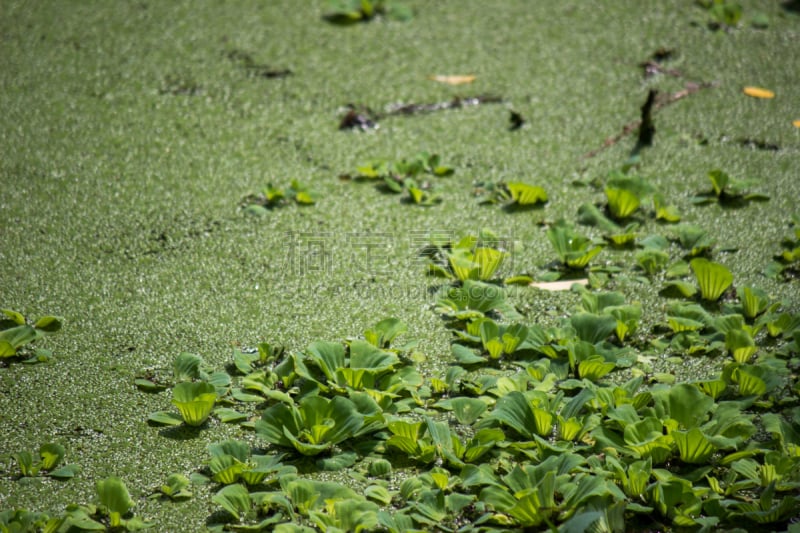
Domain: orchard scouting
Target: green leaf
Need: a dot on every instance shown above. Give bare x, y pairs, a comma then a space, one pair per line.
378, 494
65, 472
622, 203
713, 278
25, 463
524, 194
573, 249
227, 415
50, 455
194, 400
14, 316
165, 418
488, 261
175, 487
115, 498
465, 356
7, 349
467, 410
49, 324
754, 301
740, 344
235, 448
235, 499
145, 385
328, 356
515, 411
693, 446
593, 328
749, 383
594, 368
385, 331
18, 337
186, 366
719, 181
686, 404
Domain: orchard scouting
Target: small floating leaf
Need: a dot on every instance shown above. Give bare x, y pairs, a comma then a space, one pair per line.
454, 79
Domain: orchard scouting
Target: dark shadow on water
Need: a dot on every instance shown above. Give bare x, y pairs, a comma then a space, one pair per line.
792, 6
182, 432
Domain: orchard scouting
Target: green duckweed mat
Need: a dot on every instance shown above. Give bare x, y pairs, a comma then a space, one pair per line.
131, 134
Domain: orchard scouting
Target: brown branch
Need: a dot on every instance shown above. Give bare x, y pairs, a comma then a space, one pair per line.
661, 102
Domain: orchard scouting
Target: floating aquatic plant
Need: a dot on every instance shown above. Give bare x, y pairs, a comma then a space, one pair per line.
573, 249
272, 197
727, 191
16, 334
46, 463
713, 278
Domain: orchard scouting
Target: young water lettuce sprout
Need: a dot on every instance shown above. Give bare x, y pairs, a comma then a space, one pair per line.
50, 455
513, 195
346, 12
727, 191
723, 14
471, 258
175, 488
194, 401
16, 335
787, 262
232, 461
115, 503
272, 197
574, 250
405, 176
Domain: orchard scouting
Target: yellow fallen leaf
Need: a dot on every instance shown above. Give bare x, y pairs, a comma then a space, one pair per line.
796, 123
758, 92
453, 80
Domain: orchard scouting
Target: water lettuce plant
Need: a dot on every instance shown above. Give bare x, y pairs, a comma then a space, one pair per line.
513, 195
713, 278
194, 401
232, 461
473, 257
723, 14
313, 426
787, 261
346, 12
16, 335
406, 176
727, 191
175, 488
362, 367
475, 299
272, 197
46, 464
573, 249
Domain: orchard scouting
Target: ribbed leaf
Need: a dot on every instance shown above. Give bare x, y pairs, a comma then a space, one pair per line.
621, 202
235, 499
693, 446
713, 278
328, 356
524, 194
488, 261
50, 455
115, 497
194, 400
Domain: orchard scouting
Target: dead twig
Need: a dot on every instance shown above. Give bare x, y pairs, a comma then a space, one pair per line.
660, 102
